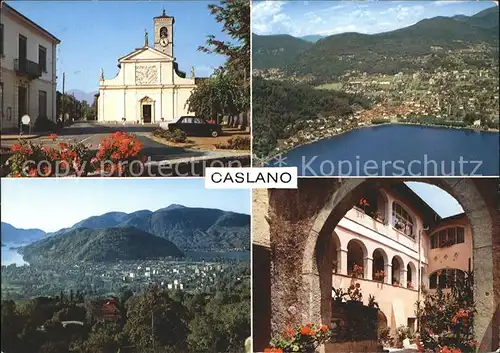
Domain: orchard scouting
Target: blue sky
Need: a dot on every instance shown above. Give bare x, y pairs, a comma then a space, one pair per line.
300, 18
52, 204
94, 34
439, 200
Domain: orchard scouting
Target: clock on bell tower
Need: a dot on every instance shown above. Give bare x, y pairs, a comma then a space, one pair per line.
164, 34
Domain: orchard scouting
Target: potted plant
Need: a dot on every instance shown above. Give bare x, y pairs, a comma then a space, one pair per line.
304, 339
379, 275
395, 282
409, 284
402, 333
363, 204
378, 216
339, 294
357, 271
371, 302
355, 295
399, 225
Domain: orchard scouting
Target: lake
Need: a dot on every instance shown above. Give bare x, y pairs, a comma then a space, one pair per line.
10, 256
398, 150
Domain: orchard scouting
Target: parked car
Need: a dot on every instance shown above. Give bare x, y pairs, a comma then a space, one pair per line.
196, 126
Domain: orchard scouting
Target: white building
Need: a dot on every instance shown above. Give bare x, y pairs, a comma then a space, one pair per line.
28, 69
149, 87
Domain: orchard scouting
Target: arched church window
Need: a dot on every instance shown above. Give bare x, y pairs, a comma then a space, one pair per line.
163, 32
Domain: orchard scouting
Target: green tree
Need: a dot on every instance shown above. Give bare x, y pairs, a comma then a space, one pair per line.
11, 327
235, 16
156, 320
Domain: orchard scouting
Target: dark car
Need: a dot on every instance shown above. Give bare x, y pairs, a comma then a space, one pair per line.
196, 126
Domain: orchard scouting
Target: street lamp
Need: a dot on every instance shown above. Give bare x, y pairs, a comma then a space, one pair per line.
62, 97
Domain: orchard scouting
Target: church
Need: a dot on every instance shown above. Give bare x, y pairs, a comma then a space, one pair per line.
149, 88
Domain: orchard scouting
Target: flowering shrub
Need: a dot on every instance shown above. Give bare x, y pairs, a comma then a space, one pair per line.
74, 159
304, 339
235, 143
447, 319
117, 152
35, 160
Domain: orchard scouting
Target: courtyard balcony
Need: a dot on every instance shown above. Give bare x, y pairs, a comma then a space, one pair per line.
27, 68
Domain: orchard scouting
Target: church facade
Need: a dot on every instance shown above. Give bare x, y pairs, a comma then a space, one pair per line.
149, 88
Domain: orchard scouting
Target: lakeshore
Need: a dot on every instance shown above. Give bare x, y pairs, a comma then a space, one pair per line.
303, 137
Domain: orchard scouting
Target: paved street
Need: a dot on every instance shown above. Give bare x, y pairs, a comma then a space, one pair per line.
91, 133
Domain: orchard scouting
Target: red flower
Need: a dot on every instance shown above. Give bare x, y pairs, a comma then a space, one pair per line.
273, 350
323, 328
306, 331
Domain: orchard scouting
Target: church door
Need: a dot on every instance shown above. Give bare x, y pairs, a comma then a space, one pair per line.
146, 113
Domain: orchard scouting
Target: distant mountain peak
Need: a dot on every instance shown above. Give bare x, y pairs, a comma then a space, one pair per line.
174, 206
189, 228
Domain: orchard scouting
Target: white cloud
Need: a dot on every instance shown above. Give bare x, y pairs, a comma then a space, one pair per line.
268, 14
446, 2
403, 13
314, 18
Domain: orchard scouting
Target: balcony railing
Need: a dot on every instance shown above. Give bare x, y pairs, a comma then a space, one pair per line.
24, 67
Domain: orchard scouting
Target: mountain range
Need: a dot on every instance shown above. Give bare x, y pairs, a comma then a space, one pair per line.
13, 235
339, 53
187, 228
81, 95
96, 245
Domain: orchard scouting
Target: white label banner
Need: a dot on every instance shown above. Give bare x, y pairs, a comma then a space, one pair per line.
251, 178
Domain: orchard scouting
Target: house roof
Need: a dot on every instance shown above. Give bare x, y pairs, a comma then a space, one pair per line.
140, 50
450, 218
30, 22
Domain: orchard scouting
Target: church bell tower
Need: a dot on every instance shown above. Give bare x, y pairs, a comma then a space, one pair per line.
164, 34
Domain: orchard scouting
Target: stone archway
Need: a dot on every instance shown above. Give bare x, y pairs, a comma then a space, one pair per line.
301, 223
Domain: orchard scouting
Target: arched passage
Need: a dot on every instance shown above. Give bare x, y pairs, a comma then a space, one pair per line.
398, 271
411, 276
380, 262
356, 255
312, 212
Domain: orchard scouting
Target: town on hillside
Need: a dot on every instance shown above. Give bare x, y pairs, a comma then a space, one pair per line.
440, 71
